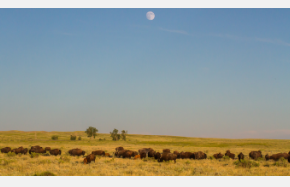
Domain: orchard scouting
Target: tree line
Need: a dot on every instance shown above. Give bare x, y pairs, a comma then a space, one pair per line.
92, 132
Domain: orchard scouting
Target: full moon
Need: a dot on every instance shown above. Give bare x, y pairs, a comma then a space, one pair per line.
150, 15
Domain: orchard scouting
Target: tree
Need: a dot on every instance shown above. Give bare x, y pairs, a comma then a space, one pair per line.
124, 134
115, 136
92, 132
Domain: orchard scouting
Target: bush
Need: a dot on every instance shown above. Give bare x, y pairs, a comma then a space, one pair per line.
246, 163
54, 137
282, 162
211, 157
73, 137
11, 154
64, 158
226, 157
34, 155
80, 138
46, 173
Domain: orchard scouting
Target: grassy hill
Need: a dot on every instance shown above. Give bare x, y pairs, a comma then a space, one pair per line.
67, 165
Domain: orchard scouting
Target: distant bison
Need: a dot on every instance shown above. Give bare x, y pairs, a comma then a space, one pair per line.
55, 152
241, 156
146, 150
5, 150
276, 157
166, 150
89, 159
129, 154
157, 155
177, 154
18, 150
99, 153
143, 155
229, 154
24, 151
76, 152
167, 157
151, 153
184, 155
255, 155
119, 149
107, 155
47, 149
136, 157
218, 155
199, 155
36, 149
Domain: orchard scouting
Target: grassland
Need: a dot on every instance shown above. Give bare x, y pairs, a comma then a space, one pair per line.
65, 165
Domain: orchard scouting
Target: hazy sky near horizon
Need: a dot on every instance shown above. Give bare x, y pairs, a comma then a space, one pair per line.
221, 73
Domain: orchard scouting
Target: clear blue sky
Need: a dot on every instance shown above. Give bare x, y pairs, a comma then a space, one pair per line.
189, 72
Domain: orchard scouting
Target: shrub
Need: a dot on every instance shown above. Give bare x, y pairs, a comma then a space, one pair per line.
211, 157
80, 138
54, 137
34, 155
91, 132
11, 154
226, 157
282, 162
246, 163
187, 162
64, 158
73, 137
46, 173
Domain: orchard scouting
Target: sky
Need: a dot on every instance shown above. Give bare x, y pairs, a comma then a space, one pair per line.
220, 73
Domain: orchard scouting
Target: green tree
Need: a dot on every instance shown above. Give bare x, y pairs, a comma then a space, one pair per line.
124, 134
92, 132
115, 136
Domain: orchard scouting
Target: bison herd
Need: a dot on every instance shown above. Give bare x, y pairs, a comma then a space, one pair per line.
166, 155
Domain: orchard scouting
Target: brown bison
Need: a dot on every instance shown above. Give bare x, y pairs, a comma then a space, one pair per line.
229, 154
166, 150
36, 149
47, 149
143, 155
167, 157
99, 153
255, 155
76, 152
89, 159
129, 154
17, 150
136, 157
55, 152
146, 150
198, 155
157, 155
24, 151
5, 150
218, 155
107, 155
119, 149
241, 156
276, 157
151, 153
184, 155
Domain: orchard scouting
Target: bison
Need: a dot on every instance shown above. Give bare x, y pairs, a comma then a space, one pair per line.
17, 150
166, 150
276, 157
184, 155
119, 149
143, 155
218, 155
136, 157
99, 153
89, 159
76, 152
255, 155
241, 156
36, 149
167, 157
5, 150
107, 155
55, 152
177, 153
129, 154
151, 153
157, 156
198, 155
146, 150
47, 149
24, 151
229, 154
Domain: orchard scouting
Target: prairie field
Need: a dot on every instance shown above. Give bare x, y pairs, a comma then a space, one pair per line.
66, 165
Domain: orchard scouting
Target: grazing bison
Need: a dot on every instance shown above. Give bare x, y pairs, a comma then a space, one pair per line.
36, 149
143, 155
241, 156
229, 154
146, 150
99, 153
167, 157
136, 157
184, 155
76, 152
107, 155
17, 150
129, 154
255, 155
198, 155
276, 157
89, 159
166, 150
55, 152
5, 150
24, 151
218, 155
151, 153
157, 155
177, 154
119, 149
47, 149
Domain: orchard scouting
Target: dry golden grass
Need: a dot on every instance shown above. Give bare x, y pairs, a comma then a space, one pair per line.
65, 165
